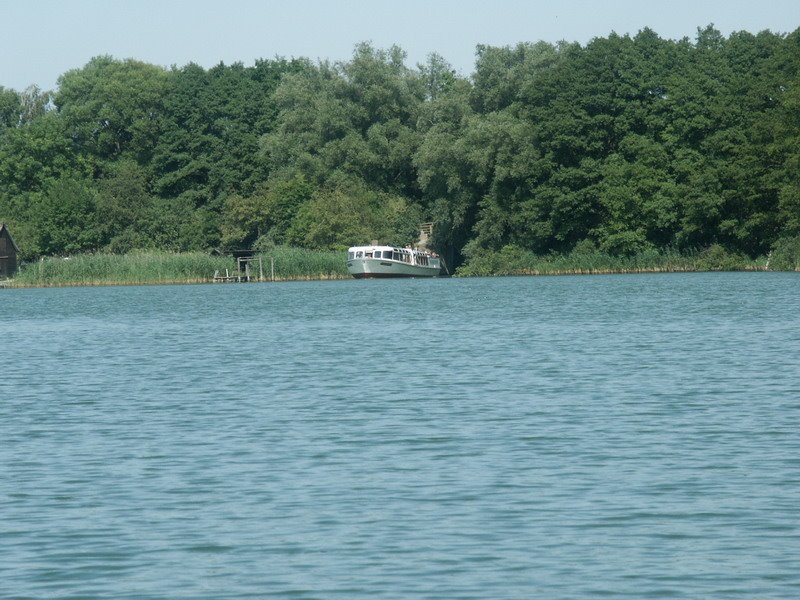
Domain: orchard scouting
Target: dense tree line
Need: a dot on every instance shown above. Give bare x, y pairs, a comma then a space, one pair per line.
623, 145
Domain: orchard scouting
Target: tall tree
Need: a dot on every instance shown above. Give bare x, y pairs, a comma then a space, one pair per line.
113, 108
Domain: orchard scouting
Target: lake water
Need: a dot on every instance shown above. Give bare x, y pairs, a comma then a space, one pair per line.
554, 437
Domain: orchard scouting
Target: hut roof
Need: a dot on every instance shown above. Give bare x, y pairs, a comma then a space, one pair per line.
8, 233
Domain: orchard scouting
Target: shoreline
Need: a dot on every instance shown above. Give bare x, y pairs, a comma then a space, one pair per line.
288, 263
12, 284
630, 271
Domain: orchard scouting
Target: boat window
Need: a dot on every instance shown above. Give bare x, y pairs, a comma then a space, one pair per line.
368, 255
351, 255
396, 256
359, 254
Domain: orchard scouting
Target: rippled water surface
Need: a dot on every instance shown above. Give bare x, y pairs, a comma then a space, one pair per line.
563, 437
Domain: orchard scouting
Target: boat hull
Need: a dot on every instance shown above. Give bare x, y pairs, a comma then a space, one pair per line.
368, 268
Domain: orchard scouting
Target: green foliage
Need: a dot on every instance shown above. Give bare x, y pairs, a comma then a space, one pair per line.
113, 107
36, 153
242, 220
587, 259
10, 108
20, 108
355, 119
347, 213
303, 263
786, 255
626, 147
266, 215
213, 121
717, 258
132, 268
64, 218
147, 267
122, 204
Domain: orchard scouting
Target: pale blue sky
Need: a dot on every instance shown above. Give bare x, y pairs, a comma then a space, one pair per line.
41, 39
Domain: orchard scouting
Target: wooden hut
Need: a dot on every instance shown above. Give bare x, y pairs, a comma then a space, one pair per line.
8, 253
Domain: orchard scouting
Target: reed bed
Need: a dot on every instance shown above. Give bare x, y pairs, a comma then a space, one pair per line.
301, 263
152, 267
512, 261
123, 269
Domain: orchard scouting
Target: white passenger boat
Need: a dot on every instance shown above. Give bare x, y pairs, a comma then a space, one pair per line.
388, 261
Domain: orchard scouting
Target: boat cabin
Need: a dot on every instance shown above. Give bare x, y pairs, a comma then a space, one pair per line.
390, 253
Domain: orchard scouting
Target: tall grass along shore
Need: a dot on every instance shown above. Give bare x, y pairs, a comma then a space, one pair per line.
514, 261
155, 267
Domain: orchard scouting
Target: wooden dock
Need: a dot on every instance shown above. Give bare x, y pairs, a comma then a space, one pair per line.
245, 273
229, 278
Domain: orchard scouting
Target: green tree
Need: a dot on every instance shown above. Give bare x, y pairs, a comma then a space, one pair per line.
356, 119
243, 220
10, 108
35, 153
122, 204
64, 218
346, 213
112, 107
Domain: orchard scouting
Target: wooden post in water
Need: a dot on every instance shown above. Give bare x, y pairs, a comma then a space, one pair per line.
272, 267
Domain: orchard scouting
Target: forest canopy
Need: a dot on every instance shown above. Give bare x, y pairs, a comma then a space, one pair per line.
625, 144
